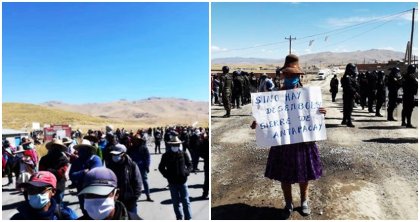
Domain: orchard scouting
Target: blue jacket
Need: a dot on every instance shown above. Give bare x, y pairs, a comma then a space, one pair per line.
78, 167
26, 212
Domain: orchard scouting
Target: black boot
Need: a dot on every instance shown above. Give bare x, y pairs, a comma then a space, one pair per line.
149, 199
227, 115
390, 116
378, 111
408, 115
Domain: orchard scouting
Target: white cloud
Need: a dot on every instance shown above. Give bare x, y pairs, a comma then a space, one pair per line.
387, 48
308, 51
217, 49
340, 49
409, 16
343, 22
267, 51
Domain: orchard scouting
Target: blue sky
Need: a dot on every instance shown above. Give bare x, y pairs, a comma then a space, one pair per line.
251, 25
100, 52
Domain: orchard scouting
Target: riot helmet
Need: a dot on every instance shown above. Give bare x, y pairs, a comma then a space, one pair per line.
395, 70
411, 69
351, 70
225, 69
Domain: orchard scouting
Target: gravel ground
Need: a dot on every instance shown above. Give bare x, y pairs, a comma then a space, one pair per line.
369, 172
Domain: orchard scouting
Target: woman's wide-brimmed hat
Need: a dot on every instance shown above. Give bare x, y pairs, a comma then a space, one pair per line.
291, 65
174, 140
56, 143
67, 140
85, 144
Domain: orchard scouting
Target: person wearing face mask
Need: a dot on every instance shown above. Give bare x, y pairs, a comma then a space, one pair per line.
100, 192
86, 161
57, 163
40, 204
176, 166
129, 177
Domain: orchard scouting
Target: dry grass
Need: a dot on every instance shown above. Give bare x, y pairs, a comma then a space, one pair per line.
20, 116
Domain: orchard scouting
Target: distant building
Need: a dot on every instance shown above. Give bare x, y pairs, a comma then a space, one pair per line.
13, 136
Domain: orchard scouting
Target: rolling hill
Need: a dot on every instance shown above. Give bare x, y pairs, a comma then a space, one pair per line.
21, 116
149, 112
368, 56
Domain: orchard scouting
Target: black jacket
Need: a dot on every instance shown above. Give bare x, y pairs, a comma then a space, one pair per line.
175, 167
129, 180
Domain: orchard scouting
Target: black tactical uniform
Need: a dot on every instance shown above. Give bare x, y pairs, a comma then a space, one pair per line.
334, 87
237, 89
372, 78
393, 83
410, 84
253, 81
349, 92
227, 84
380, 92
356, 85
364, 84
246, 98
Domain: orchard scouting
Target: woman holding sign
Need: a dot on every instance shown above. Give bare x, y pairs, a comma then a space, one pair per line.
294, 163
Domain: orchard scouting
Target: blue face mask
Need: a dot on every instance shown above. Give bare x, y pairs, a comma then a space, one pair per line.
38, 201
116, 158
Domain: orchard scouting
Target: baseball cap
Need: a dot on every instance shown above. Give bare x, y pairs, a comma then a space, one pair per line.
41, 179
100, 181
118, 149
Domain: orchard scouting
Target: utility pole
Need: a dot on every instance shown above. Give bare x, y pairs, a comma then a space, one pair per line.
411, 40
290, 43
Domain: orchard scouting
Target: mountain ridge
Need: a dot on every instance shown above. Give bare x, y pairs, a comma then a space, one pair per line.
359, 56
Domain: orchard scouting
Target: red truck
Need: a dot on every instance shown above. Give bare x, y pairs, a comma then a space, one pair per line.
59, 131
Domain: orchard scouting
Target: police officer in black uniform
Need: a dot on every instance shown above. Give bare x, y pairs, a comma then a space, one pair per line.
364, 84
349, 93
356, 85
410, 84
237, 89
380, 92
246, 88
372, 79
393, 83
334, 87
227, 84
253, 81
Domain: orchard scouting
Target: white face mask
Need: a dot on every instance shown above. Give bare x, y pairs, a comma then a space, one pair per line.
99, 208
175, 148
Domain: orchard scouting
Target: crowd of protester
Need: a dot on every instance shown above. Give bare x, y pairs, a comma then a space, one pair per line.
108, 168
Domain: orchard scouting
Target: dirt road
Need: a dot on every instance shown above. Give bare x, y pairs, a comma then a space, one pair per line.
369, 172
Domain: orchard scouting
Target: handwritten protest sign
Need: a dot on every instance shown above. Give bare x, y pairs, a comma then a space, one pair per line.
288, 116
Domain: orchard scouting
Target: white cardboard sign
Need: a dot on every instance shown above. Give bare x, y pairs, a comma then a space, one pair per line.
288, 116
